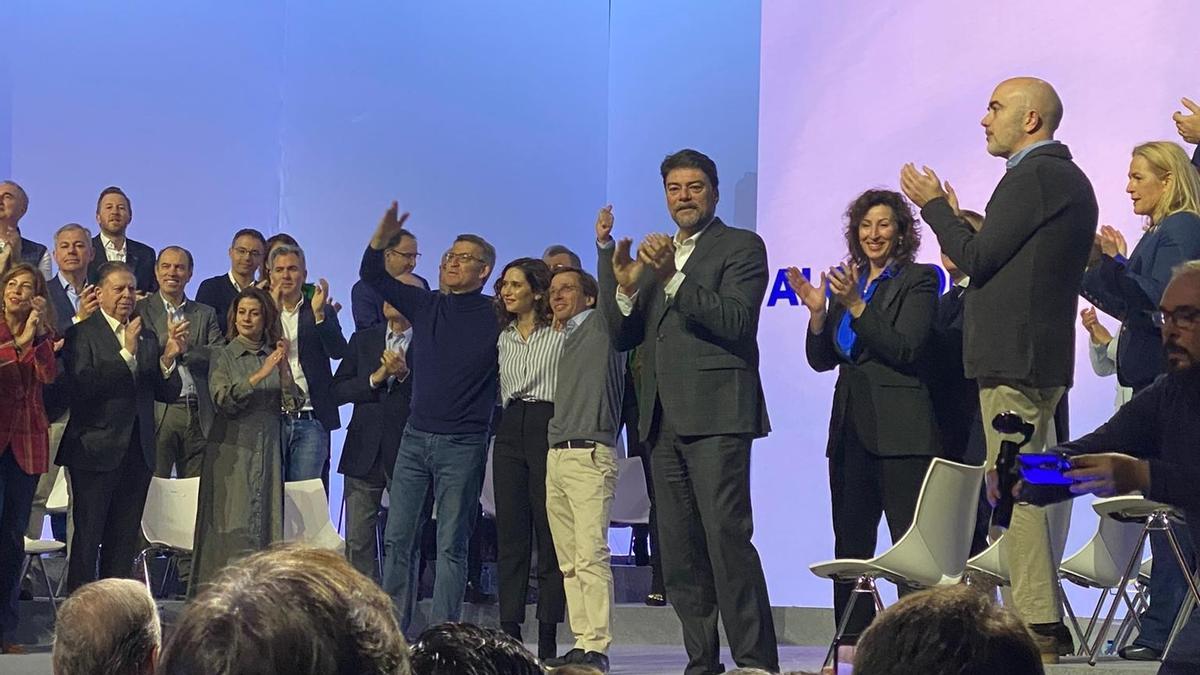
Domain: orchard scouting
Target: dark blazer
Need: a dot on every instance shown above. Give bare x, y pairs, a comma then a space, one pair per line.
203, 337
107, 399
955, 397
699, 352
1131, 291
319, 344
1026, 268
883, 392
379, 414
138, 256
57, 395
218, 292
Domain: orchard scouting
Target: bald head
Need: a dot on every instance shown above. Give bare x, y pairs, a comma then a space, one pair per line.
1180, 307
1022, 111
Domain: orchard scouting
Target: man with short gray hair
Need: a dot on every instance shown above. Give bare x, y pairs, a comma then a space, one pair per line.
109, 626
13, 205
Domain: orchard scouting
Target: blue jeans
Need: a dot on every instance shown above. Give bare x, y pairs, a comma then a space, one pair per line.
451, 466
305, 448
1168, 587
16, 499
1184, 658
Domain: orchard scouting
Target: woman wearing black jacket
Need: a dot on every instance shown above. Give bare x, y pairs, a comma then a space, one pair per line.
873, 326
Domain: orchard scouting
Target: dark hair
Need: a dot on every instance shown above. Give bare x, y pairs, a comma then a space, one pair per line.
272, 328
396, 238
689, 159
281, 238
466, 649
908, 234
289, 609
952, 630
587, 283
489, 251
537, 275
114, 190
184, 251
40, 290
559, 249
110, 268
249, 232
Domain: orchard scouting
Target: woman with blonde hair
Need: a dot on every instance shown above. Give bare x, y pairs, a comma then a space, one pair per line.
1165, 188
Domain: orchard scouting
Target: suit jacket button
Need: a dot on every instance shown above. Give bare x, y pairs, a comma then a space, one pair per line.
660, 337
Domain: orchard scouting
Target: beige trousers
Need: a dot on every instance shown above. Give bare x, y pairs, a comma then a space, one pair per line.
579, 494
1037, 535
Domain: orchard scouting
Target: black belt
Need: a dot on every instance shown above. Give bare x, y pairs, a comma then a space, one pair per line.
186, 400
576, 445
298, 414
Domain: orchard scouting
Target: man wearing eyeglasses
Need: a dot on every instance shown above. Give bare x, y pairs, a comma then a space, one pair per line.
443, 449
1150, 444
399, 259
245, 256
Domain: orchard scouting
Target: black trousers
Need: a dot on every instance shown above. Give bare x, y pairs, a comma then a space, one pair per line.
645, 537
16, 499
519, 476
863, 488
710, 566
107, 509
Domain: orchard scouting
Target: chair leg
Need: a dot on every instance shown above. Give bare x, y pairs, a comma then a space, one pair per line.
831, 656
171, 564
1185, 611
25, 565
46, 578
141, 559
1066, 604
1135, 561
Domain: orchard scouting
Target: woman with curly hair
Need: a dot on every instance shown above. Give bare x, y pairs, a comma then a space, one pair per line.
529, 348
873, 326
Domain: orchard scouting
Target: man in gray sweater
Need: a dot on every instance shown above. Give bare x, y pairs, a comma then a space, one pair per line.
581, 468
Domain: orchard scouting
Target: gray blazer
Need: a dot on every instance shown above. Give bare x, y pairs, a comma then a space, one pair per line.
699, 353
203, 336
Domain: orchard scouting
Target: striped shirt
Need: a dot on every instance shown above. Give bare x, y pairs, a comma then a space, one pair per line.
528, 366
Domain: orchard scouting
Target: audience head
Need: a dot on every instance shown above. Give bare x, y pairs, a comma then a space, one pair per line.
466, 649
19, 285
400, 256
975, 220
73, 248
467, 265
246, 252
1162, 181
289, 609
523, 288
13, 203
253, 315
557, 255
579, 669
288, 270
690, 181
113, 211
117, 290
881, 229
571, 291
1022, 111
956, 630
108, 626
1180, 317
173, 270
272, 242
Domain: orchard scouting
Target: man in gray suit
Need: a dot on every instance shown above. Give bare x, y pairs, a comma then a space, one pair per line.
182, 426
691, 303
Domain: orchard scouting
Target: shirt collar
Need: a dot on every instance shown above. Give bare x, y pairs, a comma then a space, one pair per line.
1023, 152
233, 280
406, 334
573, 322
66, 284
691, 241
167, 303
112, 323
109, 243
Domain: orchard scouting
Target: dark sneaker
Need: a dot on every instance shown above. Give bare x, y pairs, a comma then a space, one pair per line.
596, 660
575, 656
1053, 640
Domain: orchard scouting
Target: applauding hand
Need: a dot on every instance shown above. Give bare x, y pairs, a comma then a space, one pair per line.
921, 187
812, 295
1188, 126
843, 284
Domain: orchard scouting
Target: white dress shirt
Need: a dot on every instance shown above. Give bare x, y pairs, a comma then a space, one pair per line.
175, 314
111, 252
683, 251
290, 318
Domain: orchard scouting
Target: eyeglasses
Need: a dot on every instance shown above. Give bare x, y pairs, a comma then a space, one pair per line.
247, 252
1182, 317
462, 258
412, 257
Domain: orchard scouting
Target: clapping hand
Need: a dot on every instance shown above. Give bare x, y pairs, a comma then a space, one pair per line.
391, 364
658, 251
1111, 242
389, 226
89, 302
1095, 329
626, 270
1188, 126
133, 329
321, 300
604, 225
30, 329
177, 340
843, 284
812, 295
921, 187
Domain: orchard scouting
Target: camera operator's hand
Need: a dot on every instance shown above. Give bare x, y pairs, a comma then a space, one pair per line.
992, 480
1108, 474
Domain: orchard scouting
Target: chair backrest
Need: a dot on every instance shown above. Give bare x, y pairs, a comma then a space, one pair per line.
306, 515
59, 499
935, 548
993, 560
169, 517
1102, 560
631, 501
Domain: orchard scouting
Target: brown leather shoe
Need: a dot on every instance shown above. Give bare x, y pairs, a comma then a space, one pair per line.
13, 648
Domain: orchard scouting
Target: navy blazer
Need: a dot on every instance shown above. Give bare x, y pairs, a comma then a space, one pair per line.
56, 396
1131, 291
380, 414
218, 292
138, 256
319, 343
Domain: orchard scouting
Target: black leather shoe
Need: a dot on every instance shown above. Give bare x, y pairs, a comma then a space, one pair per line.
575, 656
656, 600
1139, 653
596, 660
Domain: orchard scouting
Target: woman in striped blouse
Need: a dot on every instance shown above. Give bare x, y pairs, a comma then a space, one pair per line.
529, 349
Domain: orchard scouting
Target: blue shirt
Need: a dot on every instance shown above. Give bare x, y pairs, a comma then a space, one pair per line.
1016, 159
846, 337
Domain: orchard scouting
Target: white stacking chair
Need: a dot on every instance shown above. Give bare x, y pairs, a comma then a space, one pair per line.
306, 516
631, 500
991, 564
168, 522
1100, 564
934, 550
35, 549
1154, 516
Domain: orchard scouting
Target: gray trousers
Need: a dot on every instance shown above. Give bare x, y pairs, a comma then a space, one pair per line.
363, 496
180, 442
